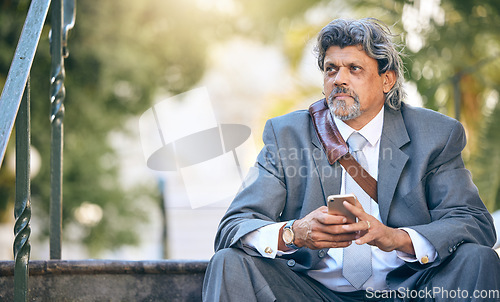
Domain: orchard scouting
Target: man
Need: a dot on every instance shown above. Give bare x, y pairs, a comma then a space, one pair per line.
426, 236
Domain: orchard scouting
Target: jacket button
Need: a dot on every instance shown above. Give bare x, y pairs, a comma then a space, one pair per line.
321, 253
291, 263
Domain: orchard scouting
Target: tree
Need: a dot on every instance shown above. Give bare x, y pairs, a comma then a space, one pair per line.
121, 54
456, 73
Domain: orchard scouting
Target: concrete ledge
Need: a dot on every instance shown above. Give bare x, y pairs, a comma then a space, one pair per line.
108, 280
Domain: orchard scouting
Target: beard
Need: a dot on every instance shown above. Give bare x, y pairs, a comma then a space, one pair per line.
339, 107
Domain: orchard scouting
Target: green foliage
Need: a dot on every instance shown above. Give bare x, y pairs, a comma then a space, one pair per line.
269, 20
122, 53
457, 67
486, 160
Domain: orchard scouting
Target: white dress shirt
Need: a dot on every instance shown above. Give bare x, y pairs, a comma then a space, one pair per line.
329, 270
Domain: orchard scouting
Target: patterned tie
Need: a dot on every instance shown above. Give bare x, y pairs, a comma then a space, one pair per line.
357, 266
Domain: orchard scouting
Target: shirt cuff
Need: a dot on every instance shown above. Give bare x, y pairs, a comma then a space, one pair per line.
265, 240
424, 250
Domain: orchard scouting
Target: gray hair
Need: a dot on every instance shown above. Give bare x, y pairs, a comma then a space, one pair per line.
375, 39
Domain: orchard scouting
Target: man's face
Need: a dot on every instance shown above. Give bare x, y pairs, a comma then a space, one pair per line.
353, 88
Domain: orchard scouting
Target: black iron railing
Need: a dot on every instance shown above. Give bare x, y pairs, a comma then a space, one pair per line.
63, 19
15, 108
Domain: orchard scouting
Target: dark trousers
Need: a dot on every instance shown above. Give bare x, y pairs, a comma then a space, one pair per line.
472, 273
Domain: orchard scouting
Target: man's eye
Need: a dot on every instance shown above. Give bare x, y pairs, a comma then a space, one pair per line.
329, 69
356, 68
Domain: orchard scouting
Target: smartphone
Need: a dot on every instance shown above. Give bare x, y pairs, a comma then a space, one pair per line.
336, 206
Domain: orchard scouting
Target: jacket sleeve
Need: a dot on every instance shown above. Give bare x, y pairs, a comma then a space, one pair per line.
260, 201
457, 213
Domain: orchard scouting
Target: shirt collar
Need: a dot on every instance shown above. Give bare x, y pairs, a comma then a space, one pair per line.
371, 131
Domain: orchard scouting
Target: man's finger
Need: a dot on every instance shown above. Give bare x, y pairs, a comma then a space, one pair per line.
329, 219
362, 225
318, 237
357, 211
330, 244
367, 237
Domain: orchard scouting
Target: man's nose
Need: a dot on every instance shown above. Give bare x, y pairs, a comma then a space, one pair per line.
342, 77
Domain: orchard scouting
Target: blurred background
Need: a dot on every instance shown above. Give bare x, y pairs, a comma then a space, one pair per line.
255, 59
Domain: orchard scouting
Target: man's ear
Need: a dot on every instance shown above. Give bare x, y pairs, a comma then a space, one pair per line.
389, 78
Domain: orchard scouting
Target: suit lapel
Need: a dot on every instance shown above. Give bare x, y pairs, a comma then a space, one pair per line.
329, 175
391, 159
391, 162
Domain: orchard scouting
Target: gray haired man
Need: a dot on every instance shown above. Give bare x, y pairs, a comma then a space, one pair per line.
427, 236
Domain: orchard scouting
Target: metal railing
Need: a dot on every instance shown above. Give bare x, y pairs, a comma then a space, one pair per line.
15, 108
63, 19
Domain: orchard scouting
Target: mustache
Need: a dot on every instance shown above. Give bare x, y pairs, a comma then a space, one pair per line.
342, 90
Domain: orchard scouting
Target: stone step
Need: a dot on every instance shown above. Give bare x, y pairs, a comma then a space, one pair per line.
108, 280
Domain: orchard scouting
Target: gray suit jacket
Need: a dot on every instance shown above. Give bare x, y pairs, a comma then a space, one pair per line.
422, 184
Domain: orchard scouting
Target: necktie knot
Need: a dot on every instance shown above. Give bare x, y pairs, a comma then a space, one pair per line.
356, 142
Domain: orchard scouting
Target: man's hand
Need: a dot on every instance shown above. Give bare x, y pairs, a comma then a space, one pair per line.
373, 232
320, 230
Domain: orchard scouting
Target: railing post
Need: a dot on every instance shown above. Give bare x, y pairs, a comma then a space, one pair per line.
22, 210
57, 95
63, 19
